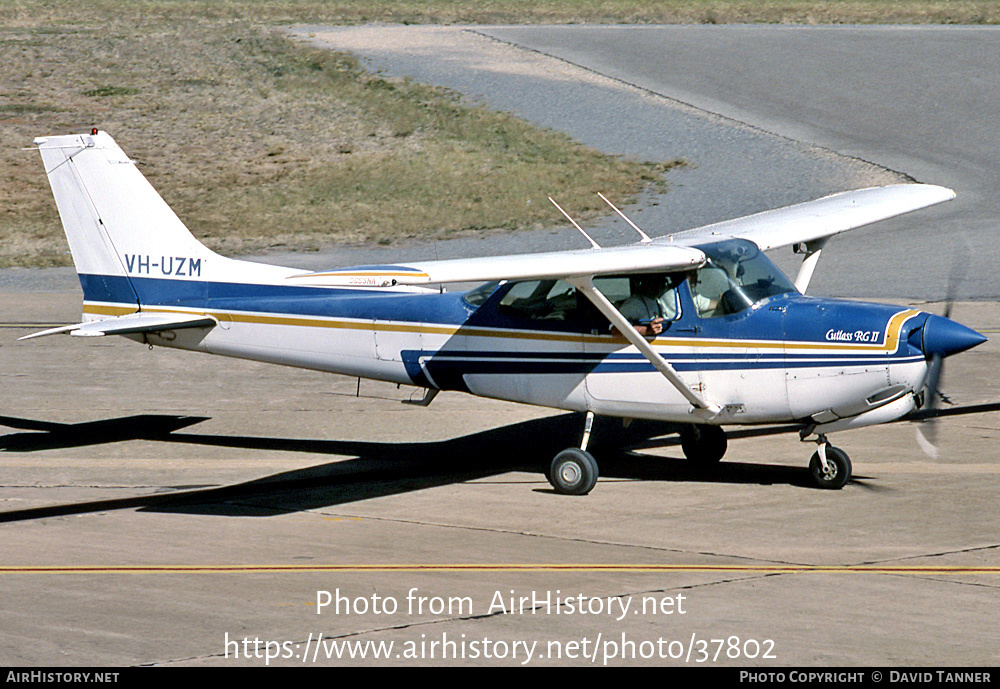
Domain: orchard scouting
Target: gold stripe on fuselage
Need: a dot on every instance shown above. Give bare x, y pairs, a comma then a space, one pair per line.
889, 343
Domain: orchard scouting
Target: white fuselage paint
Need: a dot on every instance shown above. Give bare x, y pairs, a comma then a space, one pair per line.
371, 348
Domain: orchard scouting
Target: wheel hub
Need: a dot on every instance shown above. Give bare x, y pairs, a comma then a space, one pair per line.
569, 473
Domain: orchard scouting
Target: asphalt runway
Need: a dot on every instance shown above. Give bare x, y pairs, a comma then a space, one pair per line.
170, 508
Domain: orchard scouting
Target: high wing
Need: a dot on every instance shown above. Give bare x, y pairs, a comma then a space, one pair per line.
819, 219
131, 324
635, 258
810, 224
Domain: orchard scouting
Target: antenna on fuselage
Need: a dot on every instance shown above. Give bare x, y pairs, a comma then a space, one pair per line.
645, 237
589, 238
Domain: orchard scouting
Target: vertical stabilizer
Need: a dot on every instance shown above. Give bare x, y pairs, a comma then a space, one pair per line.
116, 224
125, 239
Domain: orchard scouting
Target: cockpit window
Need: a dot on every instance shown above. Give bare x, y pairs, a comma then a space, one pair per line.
736, 276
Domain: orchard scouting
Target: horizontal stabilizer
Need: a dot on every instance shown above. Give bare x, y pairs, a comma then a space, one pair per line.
131, 324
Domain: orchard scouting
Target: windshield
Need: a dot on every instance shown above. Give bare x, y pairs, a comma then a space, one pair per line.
736, 276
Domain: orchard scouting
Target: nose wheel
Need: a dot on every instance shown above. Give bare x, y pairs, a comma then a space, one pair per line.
830, 467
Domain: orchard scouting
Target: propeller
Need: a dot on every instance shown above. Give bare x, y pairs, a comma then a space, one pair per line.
927, 424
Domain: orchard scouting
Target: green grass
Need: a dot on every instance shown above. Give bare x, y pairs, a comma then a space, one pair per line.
104, 91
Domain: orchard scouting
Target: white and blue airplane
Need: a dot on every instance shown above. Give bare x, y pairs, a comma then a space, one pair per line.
726, 337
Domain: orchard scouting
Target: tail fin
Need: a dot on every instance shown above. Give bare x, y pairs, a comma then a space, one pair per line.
124, 238
116, 224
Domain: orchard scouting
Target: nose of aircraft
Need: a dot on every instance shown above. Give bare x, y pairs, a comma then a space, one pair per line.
945, 337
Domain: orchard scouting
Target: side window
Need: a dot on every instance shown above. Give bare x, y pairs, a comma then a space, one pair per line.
649, 297
541, 300
641, 298
616, 288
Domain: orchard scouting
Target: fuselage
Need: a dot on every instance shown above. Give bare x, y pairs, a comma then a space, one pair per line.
786, 357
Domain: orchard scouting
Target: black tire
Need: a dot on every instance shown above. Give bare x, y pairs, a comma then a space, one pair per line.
573, 472
839, 472
704, 444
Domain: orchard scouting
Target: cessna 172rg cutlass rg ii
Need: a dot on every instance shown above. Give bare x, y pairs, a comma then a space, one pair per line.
698, 328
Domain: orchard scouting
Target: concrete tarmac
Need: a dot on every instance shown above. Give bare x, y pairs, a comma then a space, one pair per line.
170, 508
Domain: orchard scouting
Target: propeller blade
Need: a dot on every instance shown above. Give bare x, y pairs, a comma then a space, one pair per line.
927, 427
924, 429
959, 266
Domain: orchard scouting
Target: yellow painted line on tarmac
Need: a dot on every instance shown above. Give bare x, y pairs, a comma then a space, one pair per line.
493, 567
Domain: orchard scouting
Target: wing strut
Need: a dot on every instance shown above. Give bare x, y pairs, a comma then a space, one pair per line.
585, 284
812, 250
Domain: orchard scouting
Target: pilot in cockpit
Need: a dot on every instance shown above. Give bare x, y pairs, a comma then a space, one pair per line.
653, 301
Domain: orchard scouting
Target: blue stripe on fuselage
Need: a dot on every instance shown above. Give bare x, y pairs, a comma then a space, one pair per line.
577, 362
294, 300
448, 369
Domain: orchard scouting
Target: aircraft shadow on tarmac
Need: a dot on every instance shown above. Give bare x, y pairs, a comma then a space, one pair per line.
379, 469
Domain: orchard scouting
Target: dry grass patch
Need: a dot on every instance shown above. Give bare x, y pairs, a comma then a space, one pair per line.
257, 141
527, 11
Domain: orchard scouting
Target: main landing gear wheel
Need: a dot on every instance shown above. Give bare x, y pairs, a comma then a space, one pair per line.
573, 472
704, 444
837, 472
